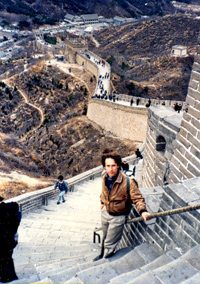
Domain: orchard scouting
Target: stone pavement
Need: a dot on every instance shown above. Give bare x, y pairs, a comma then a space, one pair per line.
59, 232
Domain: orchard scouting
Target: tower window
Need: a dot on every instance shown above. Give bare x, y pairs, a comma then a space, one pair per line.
160, 144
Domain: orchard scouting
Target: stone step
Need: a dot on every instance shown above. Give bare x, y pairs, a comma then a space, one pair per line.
134, 259
176, 271
26, 270
25, 247
44, 281
73, 280
25, 267
32, 279
192, 280
65, 274
55, 265
61, 223
67, 253
158, 262
63, 267
76, 225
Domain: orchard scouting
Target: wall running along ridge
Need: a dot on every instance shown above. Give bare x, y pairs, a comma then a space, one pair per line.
124, 122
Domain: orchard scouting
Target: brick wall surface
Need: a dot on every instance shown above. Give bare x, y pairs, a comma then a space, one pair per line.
124, 122
88, 64
168, 232
185, 162
161, 122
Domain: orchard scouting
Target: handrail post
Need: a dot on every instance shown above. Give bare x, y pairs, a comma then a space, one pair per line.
95, 234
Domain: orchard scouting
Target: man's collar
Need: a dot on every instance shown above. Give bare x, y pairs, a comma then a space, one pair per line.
118, 179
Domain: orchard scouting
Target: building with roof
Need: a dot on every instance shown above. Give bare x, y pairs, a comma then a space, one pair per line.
179, 51
86, 19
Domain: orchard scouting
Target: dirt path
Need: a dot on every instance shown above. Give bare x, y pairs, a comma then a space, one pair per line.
97, 44
24, 95
10, 83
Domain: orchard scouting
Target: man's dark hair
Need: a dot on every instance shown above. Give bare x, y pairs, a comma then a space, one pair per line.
1, 198
109, 154
60, 177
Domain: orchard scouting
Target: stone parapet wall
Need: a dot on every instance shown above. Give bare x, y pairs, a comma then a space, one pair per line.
36, 199
179, 231
185, 162
144, 101
87, 64
161, 122
124, 122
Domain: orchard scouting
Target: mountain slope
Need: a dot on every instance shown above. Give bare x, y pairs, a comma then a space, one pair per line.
53, 10
141, 54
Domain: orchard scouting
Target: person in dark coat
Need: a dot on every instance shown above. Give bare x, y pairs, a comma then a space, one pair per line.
10, 218
137, 101
138, 154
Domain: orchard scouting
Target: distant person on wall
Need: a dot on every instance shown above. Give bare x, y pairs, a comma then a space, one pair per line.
176, 106
10, 218
124, 166
137, 101
149, 103
138, 154
131, 102
179, 108
62, 186
118, 194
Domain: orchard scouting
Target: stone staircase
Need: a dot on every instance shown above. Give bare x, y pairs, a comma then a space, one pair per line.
56, 246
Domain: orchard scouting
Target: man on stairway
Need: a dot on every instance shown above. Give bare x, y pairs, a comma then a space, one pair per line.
118, 194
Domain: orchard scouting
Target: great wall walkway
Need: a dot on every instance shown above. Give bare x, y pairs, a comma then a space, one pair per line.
104, 83
56, 246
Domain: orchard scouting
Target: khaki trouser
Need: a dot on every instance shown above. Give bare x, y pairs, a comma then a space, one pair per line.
112, 227
61, 196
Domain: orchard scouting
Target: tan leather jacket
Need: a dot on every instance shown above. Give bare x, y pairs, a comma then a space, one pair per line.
119, 201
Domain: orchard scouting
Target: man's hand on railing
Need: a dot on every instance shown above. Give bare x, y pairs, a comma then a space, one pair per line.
146, 216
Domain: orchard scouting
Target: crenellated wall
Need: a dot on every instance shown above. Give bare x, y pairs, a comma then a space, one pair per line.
185, 162
179, 231
180, 159
162, 122
87, 64
124, 122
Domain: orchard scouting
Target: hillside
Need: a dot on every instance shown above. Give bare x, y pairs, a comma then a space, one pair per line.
44, 130
53, 10
140, 55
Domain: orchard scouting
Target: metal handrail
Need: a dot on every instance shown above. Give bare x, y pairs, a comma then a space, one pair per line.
166, 213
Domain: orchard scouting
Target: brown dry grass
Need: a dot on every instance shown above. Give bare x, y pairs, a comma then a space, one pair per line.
11, 189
